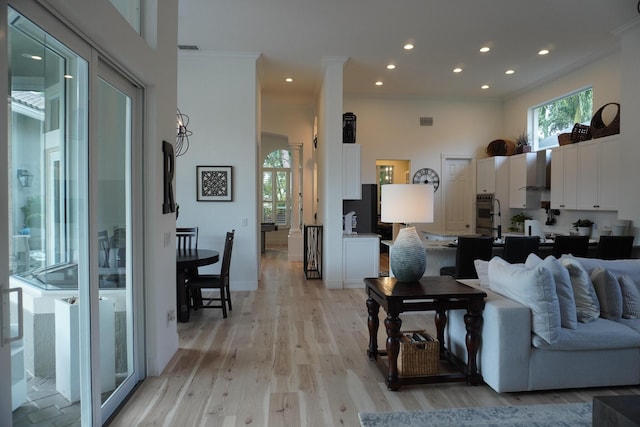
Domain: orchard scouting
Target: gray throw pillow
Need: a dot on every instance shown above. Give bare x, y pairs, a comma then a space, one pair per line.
587, 305
608, 292
630, 298
566, 300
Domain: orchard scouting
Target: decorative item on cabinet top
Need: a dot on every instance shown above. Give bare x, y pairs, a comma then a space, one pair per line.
598, 126
501, 147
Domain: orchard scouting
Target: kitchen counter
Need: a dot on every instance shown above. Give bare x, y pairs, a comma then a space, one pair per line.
446, 235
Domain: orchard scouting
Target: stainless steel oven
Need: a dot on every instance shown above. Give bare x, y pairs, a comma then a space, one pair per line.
484, 214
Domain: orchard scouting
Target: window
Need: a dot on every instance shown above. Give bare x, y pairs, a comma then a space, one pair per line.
276, 179
559, 116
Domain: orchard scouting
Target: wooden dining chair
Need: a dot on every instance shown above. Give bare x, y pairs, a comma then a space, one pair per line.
218, 282
187, 238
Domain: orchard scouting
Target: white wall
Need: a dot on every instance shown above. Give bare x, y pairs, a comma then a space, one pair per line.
224, 134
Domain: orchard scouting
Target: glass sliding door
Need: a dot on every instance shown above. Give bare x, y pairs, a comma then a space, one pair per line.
47, 222
113, 226
73, 229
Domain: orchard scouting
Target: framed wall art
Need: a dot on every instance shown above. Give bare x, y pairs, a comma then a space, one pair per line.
214, 183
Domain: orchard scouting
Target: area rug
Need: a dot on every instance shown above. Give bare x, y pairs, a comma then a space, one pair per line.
565, 414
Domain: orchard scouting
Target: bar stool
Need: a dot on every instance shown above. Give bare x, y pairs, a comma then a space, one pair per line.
469, 249
517, 249
615, 247
574, 245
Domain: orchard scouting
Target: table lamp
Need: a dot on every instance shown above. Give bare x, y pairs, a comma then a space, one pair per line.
407, 203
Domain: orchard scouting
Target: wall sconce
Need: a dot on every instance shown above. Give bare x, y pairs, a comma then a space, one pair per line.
183, 134
25, 178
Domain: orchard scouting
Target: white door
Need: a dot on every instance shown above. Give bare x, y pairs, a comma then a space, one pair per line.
457, 194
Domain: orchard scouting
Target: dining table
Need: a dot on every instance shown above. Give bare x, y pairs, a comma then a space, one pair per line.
188, 260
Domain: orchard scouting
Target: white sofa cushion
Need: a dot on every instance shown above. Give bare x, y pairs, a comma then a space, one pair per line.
532, 287
630, 298
566, 300
608, 292
601, 334
587, 305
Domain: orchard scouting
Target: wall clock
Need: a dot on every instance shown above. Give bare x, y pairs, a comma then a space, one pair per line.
427, 176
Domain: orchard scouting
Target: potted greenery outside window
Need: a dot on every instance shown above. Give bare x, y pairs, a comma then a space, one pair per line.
583, 227
517, 222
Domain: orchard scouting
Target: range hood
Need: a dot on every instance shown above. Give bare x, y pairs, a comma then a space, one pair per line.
540, 177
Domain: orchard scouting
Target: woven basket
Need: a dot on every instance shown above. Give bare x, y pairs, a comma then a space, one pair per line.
501, 147
418, 358
599, 128
564, 139
580, 133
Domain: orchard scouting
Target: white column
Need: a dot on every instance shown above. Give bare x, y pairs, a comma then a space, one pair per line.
296, 240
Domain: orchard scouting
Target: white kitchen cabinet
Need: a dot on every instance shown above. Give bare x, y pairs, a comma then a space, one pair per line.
564, 177
487, 174
598, 174
361, 258
351, 188
522, 175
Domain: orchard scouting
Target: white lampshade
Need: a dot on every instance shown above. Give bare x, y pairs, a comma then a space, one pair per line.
407, 203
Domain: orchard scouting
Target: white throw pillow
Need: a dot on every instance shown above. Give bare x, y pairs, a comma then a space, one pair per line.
587, 305
609, 294
532, 260
630, 298
482, 269
564, 289
532, 287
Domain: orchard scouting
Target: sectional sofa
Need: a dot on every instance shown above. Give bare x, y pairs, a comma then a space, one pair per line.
556, 323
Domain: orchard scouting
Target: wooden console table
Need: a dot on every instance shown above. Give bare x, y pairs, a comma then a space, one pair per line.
437, 293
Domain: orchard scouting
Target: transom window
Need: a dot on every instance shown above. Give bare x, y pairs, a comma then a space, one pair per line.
558, 116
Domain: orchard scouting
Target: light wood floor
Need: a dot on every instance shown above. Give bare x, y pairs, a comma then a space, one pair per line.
293, 353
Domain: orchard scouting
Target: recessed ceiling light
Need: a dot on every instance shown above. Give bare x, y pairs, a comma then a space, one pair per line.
484, 87
288, 80
379, 83
543, 52
509, 72
391, 67
457, 70
408, 46
485, 49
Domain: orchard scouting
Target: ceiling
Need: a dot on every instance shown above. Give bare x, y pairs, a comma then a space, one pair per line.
295, 37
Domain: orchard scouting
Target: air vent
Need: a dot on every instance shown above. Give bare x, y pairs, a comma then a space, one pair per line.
188, 47
426, 121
